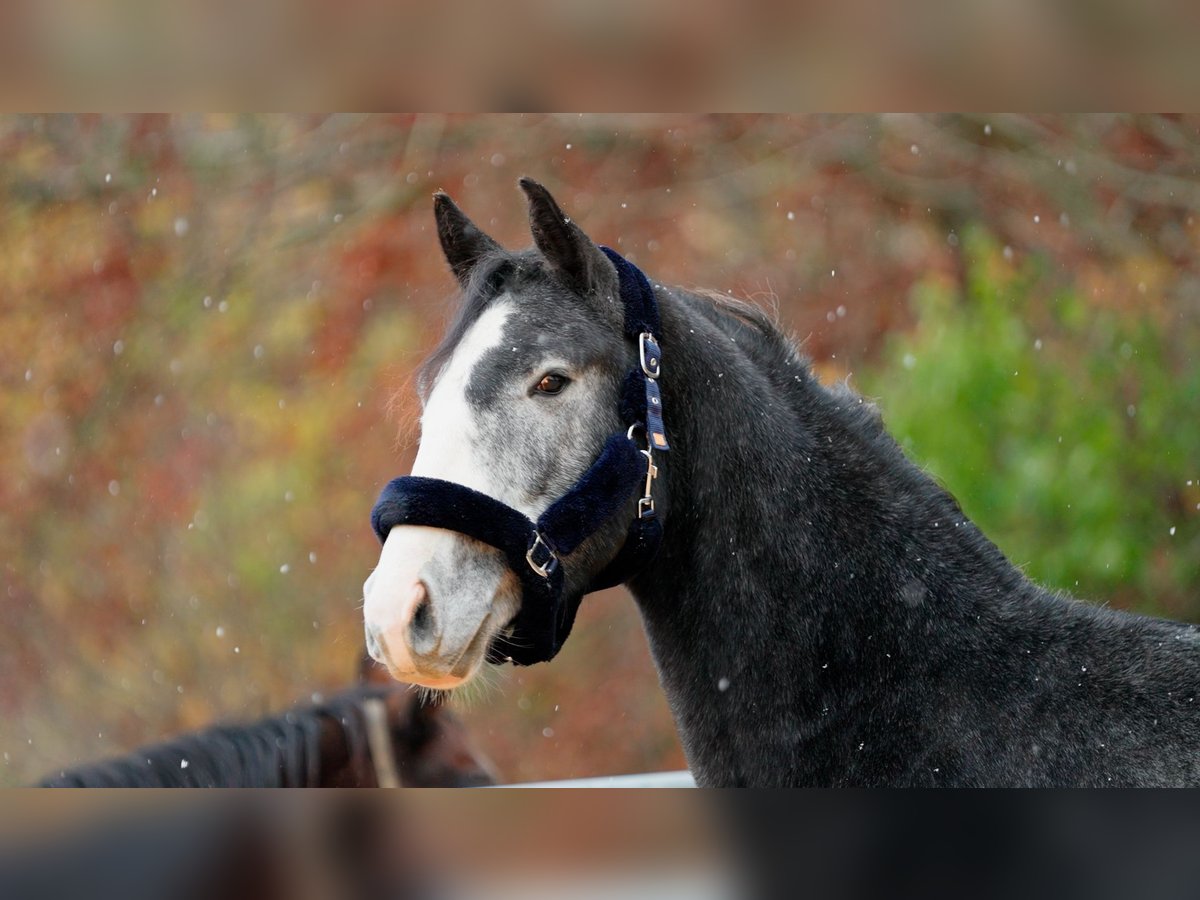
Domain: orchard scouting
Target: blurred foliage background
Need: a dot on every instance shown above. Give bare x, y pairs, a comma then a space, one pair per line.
208, 325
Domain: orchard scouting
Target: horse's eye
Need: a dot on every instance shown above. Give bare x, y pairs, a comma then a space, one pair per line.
551, 384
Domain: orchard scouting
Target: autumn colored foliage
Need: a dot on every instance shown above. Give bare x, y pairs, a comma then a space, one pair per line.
208, 327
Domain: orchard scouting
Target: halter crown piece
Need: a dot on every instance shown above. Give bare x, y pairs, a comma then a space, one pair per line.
534, 550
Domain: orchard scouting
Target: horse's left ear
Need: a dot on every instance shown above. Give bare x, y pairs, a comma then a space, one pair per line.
463, 241
568, 250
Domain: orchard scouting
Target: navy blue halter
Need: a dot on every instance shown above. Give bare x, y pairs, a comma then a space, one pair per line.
533, 550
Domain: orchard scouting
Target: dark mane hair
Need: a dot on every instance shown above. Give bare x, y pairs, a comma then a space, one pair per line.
728, 309
778, 354
280, 751
748, 324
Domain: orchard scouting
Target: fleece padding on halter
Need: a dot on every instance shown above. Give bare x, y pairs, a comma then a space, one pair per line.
641, 325
533, 549
543, 622
637, 295
603, 489
443, 504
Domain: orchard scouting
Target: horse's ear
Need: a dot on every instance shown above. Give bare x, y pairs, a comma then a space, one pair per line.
462, 240
568, 250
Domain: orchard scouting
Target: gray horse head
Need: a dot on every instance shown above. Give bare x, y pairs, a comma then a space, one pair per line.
517, 403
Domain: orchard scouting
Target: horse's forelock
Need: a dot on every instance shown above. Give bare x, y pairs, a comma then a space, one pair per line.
485, 284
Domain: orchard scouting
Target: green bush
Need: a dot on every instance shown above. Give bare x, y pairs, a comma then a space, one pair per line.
1070, 433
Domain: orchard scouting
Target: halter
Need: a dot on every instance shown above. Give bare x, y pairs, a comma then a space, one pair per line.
533, 550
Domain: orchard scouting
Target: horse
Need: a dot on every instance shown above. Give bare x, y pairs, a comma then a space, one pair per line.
820, 610
371, 735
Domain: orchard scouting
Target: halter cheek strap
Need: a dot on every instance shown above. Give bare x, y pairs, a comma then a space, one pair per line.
533, 550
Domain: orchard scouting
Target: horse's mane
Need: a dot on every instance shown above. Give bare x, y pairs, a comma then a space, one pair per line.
739, 318
758, 332
280, 751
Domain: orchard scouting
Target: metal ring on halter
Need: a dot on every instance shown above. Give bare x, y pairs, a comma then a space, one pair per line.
544, 569
653, 366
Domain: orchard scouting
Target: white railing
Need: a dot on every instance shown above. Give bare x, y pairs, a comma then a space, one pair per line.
682, 779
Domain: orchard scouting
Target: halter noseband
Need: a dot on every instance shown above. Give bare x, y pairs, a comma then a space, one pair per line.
533, 550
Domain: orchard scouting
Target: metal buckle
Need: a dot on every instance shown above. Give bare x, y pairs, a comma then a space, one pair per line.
651, 474
646, 501
652, 366
544, 569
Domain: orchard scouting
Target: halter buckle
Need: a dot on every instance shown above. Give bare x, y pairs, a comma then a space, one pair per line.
649, 355
546, 568
646, 501
645, 508
651, 470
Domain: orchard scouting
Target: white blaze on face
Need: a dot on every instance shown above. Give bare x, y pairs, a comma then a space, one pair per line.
448, 433
447, 424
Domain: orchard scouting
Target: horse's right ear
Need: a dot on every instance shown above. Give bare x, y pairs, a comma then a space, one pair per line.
462, 241
566, 248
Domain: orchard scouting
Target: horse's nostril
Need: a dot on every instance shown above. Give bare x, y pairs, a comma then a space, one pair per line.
421, 616
421, 625
374, 650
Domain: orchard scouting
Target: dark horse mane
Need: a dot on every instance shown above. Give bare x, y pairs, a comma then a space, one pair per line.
778, 355
279, 751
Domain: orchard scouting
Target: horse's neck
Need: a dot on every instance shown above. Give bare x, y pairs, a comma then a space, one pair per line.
795, 531
337, 766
